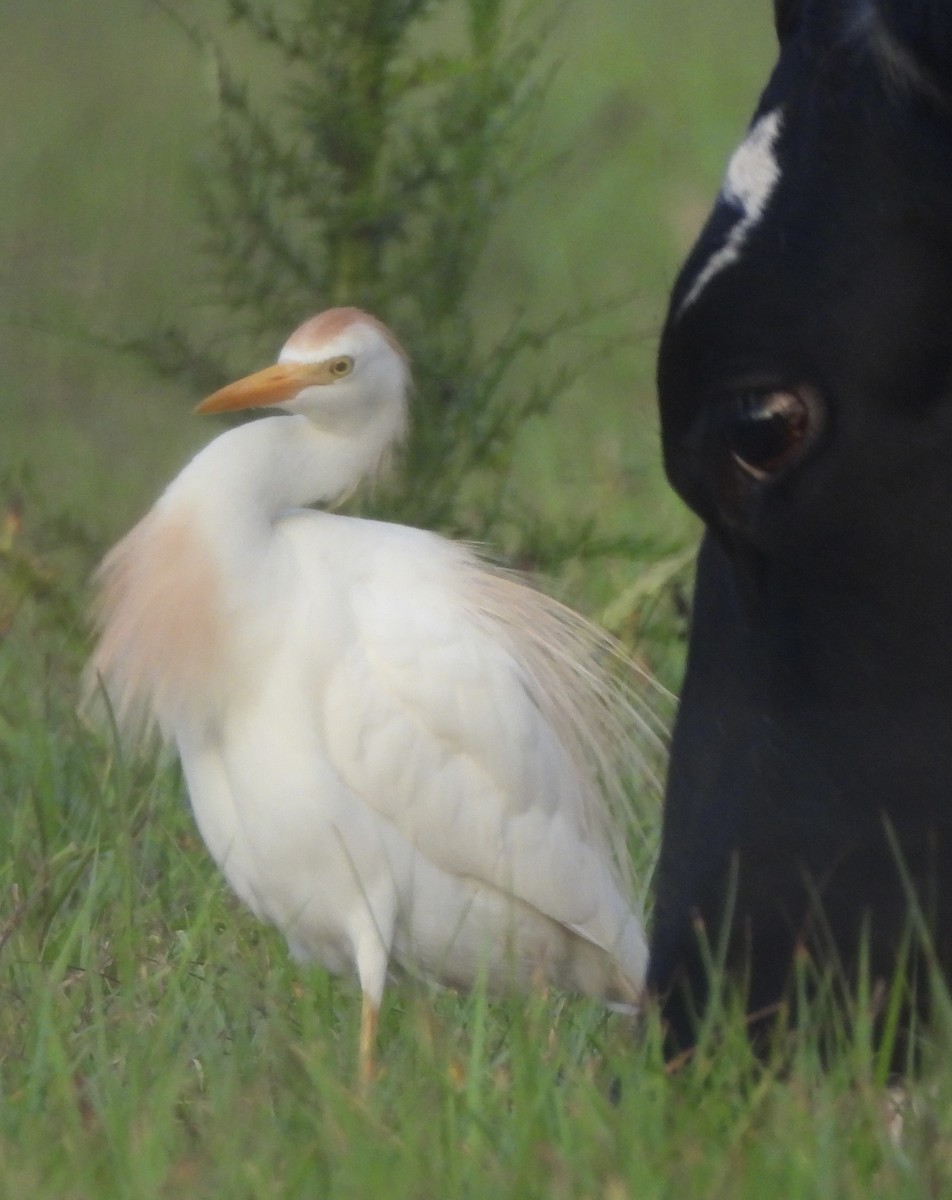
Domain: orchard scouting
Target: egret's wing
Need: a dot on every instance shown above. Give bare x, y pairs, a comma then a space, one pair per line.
432, 715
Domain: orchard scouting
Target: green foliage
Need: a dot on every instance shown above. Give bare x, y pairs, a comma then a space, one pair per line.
374, 177
43, 555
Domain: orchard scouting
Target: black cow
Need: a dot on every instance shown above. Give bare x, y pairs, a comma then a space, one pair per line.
805, 381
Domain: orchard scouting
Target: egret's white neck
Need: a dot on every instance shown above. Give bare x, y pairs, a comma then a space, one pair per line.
241, 483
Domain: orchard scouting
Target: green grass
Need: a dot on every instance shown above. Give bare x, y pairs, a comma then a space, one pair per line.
155, 1041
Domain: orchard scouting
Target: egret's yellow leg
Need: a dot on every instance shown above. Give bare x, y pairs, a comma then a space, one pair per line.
366, 1049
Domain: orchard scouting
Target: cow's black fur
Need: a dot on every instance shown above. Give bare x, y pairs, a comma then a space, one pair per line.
806, 404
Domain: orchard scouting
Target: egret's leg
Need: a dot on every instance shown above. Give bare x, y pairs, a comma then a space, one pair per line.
372, 938
367, 1047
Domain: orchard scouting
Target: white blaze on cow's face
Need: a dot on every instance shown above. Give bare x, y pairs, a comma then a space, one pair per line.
752, 175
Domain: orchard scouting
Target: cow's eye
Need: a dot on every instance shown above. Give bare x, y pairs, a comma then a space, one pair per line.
768, 431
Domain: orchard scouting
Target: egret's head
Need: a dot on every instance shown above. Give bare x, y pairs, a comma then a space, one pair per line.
343, 369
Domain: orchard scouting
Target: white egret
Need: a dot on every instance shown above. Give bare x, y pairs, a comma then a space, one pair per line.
396, 754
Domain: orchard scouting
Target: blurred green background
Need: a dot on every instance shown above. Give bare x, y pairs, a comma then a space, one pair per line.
108, 109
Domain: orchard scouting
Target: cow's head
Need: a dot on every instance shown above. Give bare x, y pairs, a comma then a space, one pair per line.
805, 379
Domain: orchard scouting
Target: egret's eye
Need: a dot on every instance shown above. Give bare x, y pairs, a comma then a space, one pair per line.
767, 432
339, 367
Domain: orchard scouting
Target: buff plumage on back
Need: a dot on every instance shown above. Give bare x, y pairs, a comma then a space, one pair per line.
161, 626
568, 665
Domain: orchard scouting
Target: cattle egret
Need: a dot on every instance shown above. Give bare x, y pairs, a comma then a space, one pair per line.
395, 753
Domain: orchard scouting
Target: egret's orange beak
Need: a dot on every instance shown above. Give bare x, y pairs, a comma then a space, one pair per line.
270, 386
